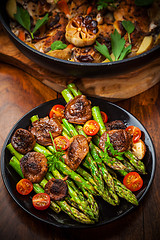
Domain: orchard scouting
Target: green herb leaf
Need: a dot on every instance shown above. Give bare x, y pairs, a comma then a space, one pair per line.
57, 155
143, 2
109, 147
125, 52
40, 22
57, 45
117, 44
128, 25
103, 50
22, 17
103, 4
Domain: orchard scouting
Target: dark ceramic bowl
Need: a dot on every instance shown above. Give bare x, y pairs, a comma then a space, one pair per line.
108, 213
68, 68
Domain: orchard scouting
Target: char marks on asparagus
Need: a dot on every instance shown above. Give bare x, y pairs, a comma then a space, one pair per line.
34, 166
78, 110
77, 151
23, 141
40, 129
118, 137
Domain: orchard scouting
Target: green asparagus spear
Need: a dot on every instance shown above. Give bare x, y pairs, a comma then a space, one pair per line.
72, 87
139, 165
67, 95
98, 118
76, 177
125, 193
81, 204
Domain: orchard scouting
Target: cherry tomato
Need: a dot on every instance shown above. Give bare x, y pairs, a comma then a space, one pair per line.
91, 127
135, 133
61, 142
133, 181
24, 186
58, 110
104, 116
41, 201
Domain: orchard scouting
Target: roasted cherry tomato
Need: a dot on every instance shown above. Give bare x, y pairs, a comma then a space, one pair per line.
61, 142
41, 201
104, 116
133, 181
24, 186
135, 133
91, 127
58, 110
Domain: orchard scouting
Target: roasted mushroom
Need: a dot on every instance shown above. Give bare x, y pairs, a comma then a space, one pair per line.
23, 141
34, 166
76, 152
82, 31
78, 110
117, 124
40, 129
57, 189
87, 54
120, 139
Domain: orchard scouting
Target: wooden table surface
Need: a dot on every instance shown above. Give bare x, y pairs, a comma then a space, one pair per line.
19, 93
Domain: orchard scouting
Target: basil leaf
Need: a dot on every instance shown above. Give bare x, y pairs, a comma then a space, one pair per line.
117, 44
58, 45
40, 22
22, 17
143, 2
103, 50
129, 26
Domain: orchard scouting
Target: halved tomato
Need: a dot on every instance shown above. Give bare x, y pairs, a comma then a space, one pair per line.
133, 181
41, 201
104, 116
91, 127
24, 186
57, 110
135, 133
61, 142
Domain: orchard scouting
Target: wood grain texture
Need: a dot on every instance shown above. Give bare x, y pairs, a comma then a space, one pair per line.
113, 88
20, 93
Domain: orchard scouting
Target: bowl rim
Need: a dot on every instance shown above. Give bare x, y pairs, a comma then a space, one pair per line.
81, 226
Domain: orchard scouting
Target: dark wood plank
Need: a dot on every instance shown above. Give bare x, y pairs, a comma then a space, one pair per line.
20, 93
114, 88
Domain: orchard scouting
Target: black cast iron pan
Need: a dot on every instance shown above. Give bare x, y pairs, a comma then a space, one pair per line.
75, 69
108, 213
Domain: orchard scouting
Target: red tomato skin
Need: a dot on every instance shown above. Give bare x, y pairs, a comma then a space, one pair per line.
58, 110
41, 201
61, 139
91, 127
133, 181
104, 116
24, 186
135, 133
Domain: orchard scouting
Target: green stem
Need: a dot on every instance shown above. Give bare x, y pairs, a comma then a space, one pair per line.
67, 95
72, 87
98, 118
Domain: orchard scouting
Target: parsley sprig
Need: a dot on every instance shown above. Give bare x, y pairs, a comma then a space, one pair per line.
129, 27
109, 148
23, 18
118, 47
57, 155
